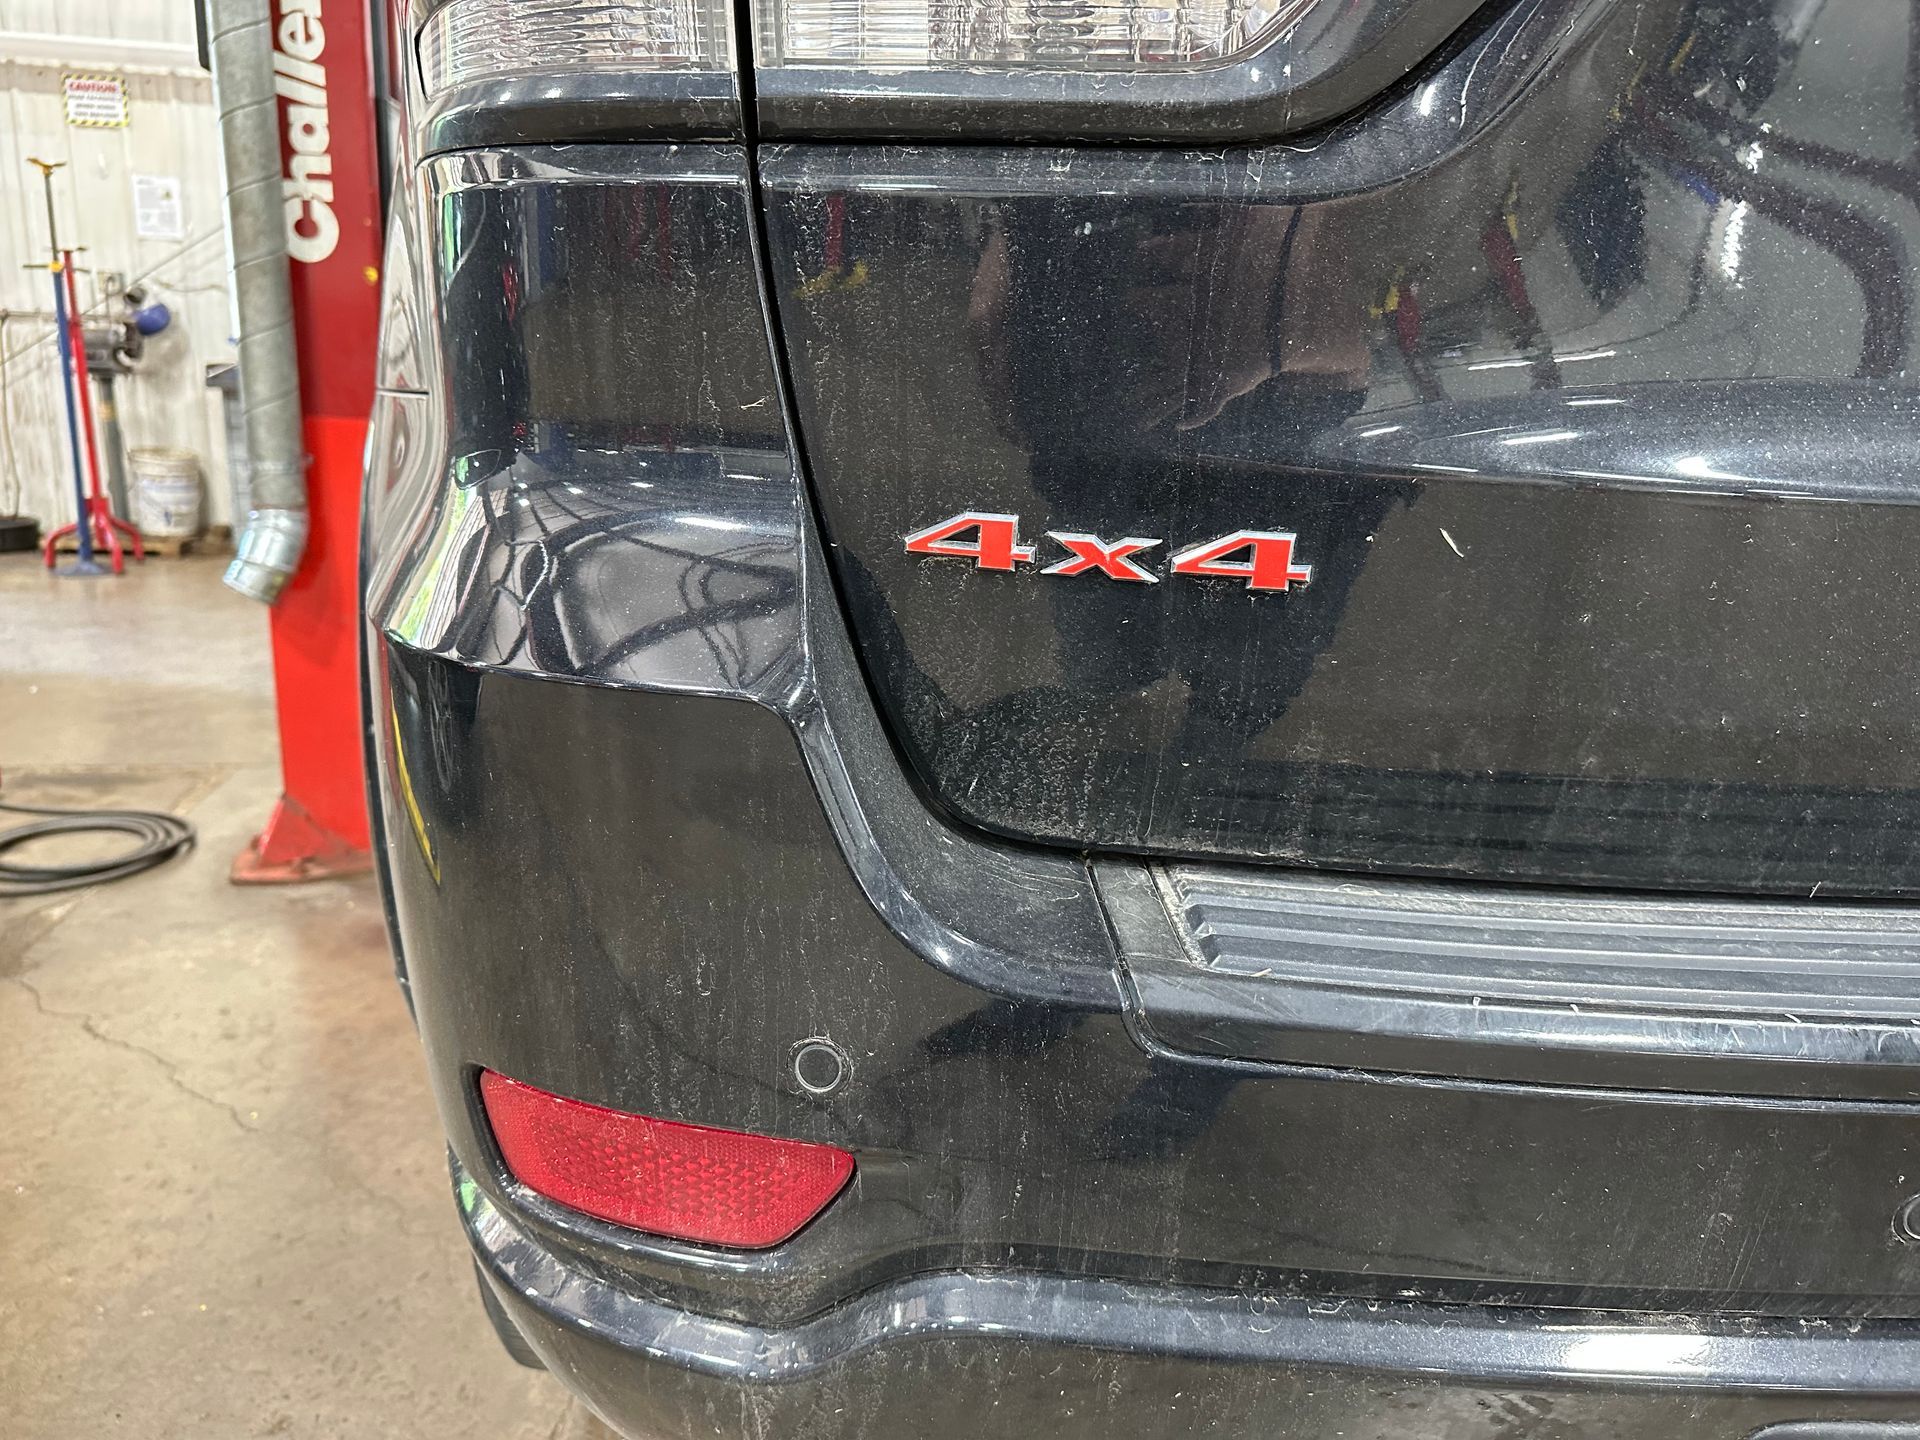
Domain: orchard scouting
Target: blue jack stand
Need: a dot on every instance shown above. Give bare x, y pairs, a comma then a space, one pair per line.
56, 269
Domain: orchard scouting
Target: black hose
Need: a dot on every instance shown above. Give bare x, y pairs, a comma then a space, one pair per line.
158, 837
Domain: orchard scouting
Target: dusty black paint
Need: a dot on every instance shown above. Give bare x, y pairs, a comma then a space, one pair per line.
645, 830
702, 920
638, 897
639, 902
1580, 369
1017, 1353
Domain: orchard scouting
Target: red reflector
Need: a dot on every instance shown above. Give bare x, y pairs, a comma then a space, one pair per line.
692, 1182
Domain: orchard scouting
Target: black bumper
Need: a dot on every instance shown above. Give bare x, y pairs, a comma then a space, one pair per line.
646, 838
1017, 1353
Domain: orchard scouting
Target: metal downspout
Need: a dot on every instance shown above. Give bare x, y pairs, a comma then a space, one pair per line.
240, 43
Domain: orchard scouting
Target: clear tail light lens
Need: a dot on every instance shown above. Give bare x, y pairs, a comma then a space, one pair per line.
1070, 35
470, 40
690, 1182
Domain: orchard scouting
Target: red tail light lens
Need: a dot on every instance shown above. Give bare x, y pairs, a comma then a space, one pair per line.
691, 1182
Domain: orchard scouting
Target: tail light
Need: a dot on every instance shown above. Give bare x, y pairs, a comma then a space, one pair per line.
689, 1182
466, 41
504, 71
997, 70
1103, 35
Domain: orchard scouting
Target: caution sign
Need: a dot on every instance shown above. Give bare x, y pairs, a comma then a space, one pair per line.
97, 102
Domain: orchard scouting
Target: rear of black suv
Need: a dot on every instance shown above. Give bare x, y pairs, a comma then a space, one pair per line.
1111, 719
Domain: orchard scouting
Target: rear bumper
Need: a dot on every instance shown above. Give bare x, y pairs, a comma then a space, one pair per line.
646, 839
1016, 1353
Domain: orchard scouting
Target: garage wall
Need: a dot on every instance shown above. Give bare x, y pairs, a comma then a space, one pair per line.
172, 131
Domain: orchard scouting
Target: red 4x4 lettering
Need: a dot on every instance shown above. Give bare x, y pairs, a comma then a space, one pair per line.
996, 544
1090, 552
1264, 559
1268, 566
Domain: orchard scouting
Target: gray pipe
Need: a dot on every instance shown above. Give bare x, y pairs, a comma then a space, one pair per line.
240, 42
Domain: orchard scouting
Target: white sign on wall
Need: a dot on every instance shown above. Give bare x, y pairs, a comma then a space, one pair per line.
156, 208
96, 101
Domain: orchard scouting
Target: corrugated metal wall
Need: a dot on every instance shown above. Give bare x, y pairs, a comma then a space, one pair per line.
171, 132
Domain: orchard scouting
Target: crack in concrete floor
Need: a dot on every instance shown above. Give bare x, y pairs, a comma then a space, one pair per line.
169, 1068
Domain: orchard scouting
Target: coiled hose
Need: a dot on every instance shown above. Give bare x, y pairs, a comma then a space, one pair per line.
158, 837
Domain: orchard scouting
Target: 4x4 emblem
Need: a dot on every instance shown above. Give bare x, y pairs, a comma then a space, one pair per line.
1262, 558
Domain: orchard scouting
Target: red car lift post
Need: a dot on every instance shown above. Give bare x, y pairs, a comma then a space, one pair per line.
327, 115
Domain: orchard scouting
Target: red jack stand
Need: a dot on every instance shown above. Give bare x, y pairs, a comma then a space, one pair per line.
98, 514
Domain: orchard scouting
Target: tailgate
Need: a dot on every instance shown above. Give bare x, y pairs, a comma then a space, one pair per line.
1513, 481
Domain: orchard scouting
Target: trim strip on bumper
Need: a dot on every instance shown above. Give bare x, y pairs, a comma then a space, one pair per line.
1462, 1343
1750, 997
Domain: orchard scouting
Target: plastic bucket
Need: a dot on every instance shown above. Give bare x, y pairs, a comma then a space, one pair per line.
167, 492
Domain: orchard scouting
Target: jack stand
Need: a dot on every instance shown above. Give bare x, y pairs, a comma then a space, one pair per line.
59, 263
96, 513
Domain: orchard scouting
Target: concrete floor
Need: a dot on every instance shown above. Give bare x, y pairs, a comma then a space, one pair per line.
223, 1192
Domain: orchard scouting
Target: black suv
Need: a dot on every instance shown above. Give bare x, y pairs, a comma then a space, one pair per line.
1156, 717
